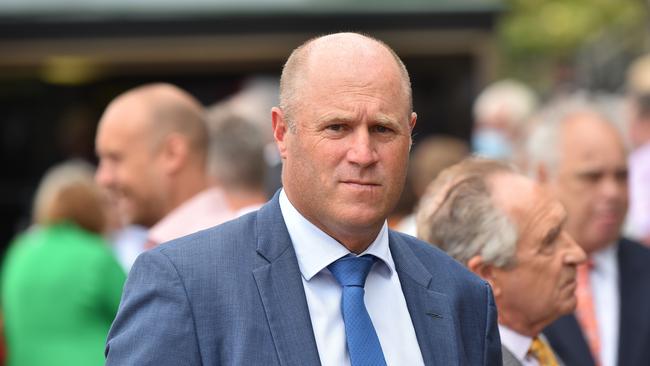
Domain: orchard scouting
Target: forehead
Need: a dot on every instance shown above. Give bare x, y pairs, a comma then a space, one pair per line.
123, 124
333, 72
528, 204
590, 142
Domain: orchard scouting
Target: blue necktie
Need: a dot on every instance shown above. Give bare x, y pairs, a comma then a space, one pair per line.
363, 344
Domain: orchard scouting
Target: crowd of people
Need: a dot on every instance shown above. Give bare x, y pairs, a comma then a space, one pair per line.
526, 246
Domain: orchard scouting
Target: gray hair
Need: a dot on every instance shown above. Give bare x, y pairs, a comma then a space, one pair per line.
297, 61
543, 144
236, 151
515, 98
458, 214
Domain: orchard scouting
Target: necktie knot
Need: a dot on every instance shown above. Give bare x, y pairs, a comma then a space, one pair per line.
542, 352
352, 271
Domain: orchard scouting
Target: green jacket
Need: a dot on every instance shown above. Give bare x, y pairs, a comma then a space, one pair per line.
61, 287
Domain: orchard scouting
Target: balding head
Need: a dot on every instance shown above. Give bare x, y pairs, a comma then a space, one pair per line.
334, 52
152, 145
163, 109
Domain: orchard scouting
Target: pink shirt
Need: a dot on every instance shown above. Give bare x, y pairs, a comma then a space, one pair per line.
206, 209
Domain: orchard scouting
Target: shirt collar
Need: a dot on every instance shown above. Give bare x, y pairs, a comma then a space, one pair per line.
315, 250
518, 344
605, 258
208, 203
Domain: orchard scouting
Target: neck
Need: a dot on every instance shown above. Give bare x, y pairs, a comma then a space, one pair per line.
520, 324
357, 241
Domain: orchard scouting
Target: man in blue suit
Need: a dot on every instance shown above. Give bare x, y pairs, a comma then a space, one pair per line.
272, 288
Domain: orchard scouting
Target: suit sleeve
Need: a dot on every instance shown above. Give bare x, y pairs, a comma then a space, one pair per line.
154, 324
492, 339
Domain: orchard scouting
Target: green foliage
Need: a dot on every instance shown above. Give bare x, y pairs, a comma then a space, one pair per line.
534, 35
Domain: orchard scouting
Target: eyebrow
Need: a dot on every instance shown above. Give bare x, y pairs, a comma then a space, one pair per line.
349, 118
555, 231
384, 119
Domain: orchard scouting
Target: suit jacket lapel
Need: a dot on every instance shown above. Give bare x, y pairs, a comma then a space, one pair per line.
430, 311
280, 286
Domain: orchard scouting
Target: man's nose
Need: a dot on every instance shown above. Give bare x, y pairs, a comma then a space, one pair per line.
611, 187
103, 175
574, 252
362, 151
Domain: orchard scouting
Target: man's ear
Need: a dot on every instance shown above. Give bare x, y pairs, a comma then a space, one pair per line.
174, 151
280, 130
414, 118
485, 271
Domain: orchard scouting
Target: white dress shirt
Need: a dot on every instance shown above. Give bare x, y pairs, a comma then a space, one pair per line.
518, 344
604, 279
384, 298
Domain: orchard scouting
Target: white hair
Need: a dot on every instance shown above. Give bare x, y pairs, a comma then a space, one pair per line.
509, 98
542, 146
459, 215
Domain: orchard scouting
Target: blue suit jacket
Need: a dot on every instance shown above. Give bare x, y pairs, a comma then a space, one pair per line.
233, 295
565, 334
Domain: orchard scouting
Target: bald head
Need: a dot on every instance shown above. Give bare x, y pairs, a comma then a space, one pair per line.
335, 51
161, 109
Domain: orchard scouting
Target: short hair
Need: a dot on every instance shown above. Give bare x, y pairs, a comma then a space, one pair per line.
69, 193
511, 96
458, 214
236, 152
543, 143
172, 109
297, 61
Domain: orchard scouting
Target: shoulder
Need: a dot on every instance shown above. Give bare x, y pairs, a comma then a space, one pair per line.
222, 237
630, 246
633, 256
224, 247
436, 261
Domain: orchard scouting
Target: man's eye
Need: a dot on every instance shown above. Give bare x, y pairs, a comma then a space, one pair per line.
591, 177
382, 129
335, 127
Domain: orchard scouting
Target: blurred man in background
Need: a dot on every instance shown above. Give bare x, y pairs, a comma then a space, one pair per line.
580, 156
236, 159
501, 112
152, 142
510, 231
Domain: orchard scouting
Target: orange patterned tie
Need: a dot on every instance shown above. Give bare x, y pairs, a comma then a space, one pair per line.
585, 312
542, 353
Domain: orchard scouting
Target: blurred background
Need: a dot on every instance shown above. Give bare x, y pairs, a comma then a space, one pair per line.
62, 61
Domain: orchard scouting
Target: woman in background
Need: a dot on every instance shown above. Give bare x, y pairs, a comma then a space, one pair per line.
61, 285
